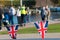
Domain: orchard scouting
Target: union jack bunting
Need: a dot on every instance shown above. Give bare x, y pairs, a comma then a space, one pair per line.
12, 31
42, 27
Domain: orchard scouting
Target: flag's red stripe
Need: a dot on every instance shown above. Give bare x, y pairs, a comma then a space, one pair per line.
13, 31
42, 29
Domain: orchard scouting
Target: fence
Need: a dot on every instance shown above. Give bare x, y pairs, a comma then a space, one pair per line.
55, 15
33, 18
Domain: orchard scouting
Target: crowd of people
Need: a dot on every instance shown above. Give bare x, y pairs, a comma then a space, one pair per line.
7, 15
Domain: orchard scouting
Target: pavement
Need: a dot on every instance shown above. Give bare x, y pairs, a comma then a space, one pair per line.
31, 36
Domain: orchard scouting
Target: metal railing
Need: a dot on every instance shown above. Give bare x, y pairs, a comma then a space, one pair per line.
33, 18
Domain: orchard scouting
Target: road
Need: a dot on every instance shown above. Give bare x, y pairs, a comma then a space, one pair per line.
25, 36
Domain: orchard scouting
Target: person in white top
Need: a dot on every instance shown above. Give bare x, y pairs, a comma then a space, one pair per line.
18, 13
12, 13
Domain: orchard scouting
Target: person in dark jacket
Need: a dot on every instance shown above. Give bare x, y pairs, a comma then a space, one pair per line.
43, 13
1, 13
6, 16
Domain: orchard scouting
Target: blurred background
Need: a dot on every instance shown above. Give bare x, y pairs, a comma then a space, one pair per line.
35, 5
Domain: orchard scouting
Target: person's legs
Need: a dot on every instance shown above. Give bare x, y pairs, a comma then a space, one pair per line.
19, 20
0, 22
43, 18
22, 18
0, 25
11, 20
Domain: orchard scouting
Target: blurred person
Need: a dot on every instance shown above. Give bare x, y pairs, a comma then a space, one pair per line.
1, 16
23, 14
12, 14
28, 14
43, 13
47, 13
19, 15
6, 16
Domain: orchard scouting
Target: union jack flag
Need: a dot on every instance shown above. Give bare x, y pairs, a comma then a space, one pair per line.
12, 31
42, 27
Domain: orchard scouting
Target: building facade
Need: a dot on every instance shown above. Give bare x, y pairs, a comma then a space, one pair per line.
40, 3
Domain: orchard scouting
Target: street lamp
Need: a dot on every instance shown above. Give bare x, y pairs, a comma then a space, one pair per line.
12, 2
20, 2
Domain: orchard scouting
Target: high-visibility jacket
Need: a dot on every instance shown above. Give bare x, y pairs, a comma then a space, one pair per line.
23, 10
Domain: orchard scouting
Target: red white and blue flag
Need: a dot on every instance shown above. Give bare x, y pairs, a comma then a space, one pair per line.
42, 27
12, 31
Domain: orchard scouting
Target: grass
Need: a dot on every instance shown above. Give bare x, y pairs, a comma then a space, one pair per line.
28, 30
52, 28
3, 32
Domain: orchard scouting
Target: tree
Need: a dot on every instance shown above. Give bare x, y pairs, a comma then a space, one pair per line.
8, 3
16, 2
55, 2
29, 2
